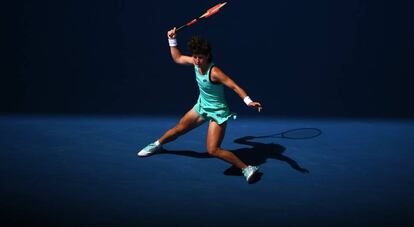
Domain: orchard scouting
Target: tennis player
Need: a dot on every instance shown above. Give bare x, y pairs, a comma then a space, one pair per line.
211, 105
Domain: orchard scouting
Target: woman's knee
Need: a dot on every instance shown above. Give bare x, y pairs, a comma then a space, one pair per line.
178, 129
213, 151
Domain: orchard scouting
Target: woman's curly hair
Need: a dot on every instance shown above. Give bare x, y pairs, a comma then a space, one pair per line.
198, 45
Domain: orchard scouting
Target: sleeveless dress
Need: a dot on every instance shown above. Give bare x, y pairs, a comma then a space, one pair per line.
211, 103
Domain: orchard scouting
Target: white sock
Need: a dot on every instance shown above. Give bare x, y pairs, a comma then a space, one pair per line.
157, 143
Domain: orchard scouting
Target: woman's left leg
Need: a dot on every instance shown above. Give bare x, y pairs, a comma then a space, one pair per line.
215, 136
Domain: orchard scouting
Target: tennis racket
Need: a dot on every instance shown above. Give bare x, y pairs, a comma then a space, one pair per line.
299, 133
213, 10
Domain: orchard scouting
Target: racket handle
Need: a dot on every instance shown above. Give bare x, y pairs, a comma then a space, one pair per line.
178, 29
187, 25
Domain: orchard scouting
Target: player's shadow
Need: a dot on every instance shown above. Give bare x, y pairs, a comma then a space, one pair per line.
257, 154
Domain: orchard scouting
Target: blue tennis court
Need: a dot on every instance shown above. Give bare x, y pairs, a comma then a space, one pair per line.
83, 170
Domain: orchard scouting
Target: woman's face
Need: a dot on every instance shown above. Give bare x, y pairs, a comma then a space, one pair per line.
199, 60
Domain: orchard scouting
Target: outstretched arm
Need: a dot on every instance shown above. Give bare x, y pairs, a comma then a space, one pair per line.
175, 52
220, 76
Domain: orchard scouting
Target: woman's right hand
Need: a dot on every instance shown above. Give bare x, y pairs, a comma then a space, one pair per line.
171, 33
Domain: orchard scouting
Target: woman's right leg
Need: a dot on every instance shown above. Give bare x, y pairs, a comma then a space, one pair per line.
188, 122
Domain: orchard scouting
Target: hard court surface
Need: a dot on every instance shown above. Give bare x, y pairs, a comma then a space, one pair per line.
83, 171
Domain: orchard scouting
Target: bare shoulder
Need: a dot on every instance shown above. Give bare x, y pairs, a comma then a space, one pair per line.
217, 75
216, 71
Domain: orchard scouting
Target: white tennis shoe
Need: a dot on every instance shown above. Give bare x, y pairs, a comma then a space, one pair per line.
150, 149
250, 172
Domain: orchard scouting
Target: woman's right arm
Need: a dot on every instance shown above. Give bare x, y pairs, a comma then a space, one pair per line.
175, 52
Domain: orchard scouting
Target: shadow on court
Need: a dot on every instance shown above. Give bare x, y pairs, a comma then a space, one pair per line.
257, 154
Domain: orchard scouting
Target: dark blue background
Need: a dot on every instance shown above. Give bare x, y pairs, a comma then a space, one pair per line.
348, 58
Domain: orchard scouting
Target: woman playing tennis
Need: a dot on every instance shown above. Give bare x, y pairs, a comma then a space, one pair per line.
211, 104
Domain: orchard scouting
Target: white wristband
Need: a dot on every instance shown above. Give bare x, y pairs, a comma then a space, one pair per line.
172, 42
247, 100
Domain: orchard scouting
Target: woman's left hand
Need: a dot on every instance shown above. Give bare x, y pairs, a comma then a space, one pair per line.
256, 105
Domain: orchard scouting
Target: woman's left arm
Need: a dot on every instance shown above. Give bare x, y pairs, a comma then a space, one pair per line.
219, 76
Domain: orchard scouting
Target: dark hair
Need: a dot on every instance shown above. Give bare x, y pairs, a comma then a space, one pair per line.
198, 45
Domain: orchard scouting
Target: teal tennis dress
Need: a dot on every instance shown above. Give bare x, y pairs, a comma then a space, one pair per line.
211, 103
